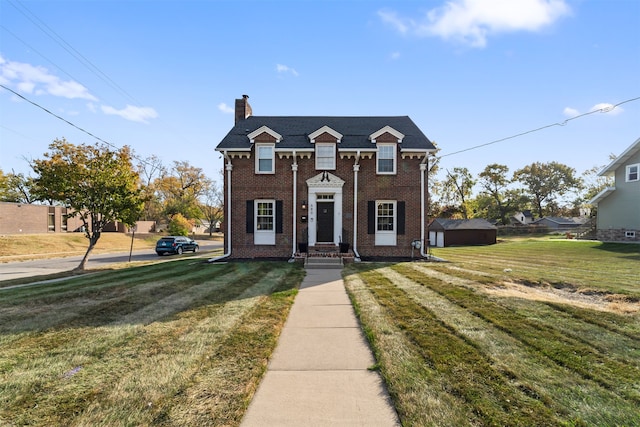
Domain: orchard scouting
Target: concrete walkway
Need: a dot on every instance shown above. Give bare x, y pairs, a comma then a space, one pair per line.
318, 375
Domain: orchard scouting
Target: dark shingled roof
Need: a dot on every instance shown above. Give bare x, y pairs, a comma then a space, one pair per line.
295, 131
461, 224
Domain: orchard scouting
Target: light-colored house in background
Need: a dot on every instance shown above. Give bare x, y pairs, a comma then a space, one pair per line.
618, 217
522, 218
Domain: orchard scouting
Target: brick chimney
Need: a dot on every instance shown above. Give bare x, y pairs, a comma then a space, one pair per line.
243, 109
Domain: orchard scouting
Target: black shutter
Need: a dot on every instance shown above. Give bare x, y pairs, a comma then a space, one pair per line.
279, 216
250, 214
401, 217
371, 217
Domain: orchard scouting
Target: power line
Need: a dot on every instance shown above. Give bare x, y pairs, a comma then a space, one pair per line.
38, 52
564, 123
70, 49
70, 123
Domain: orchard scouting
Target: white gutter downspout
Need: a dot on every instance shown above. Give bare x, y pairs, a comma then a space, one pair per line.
356, 168
228, 168
424, 165
294, 168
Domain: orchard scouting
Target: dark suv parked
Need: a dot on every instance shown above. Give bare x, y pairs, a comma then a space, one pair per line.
176, 245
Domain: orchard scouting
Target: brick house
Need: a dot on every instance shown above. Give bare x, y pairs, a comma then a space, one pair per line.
294, 181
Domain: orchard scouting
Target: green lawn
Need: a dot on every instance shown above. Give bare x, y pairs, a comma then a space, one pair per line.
553, 340
174, 344
526, 332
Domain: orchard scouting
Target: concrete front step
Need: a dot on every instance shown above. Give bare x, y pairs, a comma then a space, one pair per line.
323, 262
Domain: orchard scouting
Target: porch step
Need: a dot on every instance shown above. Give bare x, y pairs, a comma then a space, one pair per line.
323, 262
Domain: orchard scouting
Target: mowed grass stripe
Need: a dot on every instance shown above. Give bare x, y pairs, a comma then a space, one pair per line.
45, 355
623, 325
624, 331
618, 345
95, 282
122, 364
98, 304
222, 387
168, 372
534, 374
419, 392
471, 374
562, 349
73, 320
577, 263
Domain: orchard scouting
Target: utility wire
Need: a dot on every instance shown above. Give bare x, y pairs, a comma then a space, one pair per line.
71, 124
46, 29
564, 123
38, 52
70, 49
600, 110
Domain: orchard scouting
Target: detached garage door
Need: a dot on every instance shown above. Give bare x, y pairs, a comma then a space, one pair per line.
436, 238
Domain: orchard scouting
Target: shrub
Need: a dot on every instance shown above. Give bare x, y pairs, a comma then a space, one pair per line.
179, 225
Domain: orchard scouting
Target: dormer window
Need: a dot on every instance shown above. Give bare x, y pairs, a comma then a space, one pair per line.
325, 156
386, 140
265, 159
386, 159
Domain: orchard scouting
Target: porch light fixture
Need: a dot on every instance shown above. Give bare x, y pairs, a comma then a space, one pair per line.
304, 205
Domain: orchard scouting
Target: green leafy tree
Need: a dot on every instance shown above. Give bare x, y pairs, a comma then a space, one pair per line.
16, 187
99, 184
594, 184
497, 200
455, 190
150, 169
213, 207
545, 183
4, 187
180, 191
179, 225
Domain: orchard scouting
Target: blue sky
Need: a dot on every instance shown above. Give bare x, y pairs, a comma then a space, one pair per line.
161, 76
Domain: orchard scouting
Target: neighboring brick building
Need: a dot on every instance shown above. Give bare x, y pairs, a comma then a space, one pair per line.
322, 181
21, 218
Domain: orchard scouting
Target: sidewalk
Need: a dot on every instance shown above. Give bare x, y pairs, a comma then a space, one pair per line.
318, 375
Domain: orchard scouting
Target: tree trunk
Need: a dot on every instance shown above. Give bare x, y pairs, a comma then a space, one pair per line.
92, 242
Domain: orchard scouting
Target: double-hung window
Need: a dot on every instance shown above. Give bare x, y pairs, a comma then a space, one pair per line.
385, 223
632, 173
386, 159
325, 156
265, 232
265, 158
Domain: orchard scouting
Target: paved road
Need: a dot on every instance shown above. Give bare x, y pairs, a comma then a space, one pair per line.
16, 270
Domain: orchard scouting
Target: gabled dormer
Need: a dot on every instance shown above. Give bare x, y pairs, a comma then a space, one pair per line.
325, 140
332, 135
264, 140
386, 140
271, 135
386, 134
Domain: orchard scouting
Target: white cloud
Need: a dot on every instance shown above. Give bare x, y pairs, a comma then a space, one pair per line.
395, 55
130, 112
38, 80
285, 69
604, 107
570, 112
225, 108
391, 18
471, 22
